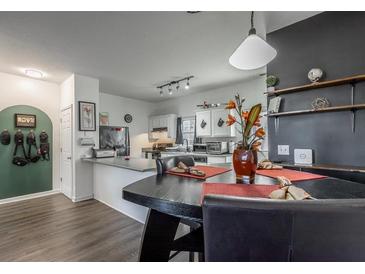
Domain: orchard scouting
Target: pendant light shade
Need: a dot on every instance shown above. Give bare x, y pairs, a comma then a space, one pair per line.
253, 53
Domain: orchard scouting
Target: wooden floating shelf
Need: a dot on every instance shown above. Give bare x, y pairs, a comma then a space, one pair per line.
327, 167
325, 84
328, 109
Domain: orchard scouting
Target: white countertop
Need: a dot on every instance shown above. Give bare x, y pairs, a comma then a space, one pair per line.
196, 153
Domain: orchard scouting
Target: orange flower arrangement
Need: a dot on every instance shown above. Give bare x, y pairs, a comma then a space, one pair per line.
246, 121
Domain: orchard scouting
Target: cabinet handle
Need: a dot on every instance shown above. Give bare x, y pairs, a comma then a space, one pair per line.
220, 122
203, 124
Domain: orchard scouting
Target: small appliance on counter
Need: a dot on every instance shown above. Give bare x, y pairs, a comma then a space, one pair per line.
103, 153
200, 148
231, 147
217, 147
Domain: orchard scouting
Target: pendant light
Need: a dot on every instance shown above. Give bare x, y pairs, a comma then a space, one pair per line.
253, 53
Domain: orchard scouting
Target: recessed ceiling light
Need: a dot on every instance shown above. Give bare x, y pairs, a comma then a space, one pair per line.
33, 73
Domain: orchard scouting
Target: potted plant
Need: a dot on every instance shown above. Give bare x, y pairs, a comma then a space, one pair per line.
271, 82
248, 125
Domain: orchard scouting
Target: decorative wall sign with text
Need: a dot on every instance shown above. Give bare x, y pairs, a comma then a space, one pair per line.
87, 116
25, 120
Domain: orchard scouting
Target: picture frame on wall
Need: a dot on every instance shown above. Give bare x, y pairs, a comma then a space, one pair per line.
87, 116
25, 120
104, 118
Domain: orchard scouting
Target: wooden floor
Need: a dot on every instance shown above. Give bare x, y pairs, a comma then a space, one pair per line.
53, 228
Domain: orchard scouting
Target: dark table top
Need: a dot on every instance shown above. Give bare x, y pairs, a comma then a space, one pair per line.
181, 196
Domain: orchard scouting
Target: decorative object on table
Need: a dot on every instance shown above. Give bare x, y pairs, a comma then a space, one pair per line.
253, 53
19, 142
274, 105
44, 146
128, 118
5, 137
245, 155
315, 74
87, 116
182, 168
32, 142
320, 103
25, 120
266, 164
288, 192
104, 118
303, 156
271, 82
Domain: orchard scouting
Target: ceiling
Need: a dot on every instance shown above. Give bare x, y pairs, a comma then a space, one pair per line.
133, 52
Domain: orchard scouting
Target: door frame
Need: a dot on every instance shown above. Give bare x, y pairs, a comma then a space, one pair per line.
72, 150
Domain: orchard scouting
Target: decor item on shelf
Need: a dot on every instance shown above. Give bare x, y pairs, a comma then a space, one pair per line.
5, 137
315, 74
128, 118
245, 154
175, 83
271, 82
104, 118
205, 105
253, 53
274, 105
25, 120
320, 103
203, 124
87, 116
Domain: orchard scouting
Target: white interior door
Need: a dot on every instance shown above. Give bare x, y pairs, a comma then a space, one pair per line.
66, 152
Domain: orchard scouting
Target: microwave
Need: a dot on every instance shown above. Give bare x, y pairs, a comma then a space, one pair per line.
217, 147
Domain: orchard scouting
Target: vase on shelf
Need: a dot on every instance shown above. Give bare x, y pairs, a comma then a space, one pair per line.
245, 164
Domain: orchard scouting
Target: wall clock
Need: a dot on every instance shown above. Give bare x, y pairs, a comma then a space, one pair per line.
128, 118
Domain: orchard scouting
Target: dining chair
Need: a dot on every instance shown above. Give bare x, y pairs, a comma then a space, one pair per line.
248, 229
192, 241
164, 164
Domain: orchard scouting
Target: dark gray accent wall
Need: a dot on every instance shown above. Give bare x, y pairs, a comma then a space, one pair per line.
335, 42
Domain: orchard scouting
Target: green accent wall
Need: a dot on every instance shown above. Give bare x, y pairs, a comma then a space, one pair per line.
33, 177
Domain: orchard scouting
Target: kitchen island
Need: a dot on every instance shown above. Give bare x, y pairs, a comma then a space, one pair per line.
110, 175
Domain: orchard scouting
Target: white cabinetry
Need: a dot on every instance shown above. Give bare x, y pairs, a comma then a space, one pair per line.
214, 122
219, 126
165, 123
203, 123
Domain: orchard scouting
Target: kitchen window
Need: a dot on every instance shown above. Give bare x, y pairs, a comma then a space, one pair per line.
188, 129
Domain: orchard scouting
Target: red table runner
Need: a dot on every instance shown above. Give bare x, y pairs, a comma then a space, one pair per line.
210, 171
292, 175
241, 190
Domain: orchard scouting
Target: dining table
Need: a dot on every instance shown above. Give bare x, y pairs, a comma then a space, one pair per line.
172, 199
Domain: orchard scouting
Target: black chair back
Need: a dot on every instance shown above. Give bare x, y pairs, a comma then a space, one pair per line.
237, 229
164, 164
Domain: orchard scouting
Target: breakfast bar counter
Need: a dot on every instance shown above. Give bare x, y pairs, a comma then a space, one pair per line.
110, 175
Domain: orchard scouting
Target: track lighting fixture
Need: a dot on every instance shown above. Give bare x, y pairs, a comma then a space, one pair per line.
170, 89
187, 86
177, 85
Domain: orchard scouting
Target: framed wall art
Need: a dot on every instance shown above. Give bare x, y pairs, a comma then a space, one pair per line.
87, 116
25, 120
104, 118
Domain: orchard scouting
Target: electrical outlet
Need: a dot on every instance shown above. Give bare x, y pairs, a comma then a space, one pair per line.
283, 150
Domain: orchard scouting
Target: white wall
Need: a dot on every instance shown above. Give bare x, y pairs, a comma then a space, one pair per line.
17, 90
117, 107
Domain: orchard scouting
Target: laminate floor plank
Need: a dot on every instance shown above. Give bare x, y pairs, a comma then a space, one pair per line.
53, 228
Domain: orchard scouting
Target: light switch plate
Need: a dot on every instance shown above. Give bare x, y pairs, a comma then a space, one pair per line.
283, 150
303, 156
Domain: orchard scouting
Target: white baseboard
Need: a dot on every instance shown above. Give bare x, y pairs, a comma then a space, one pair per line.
29, 196
79, 199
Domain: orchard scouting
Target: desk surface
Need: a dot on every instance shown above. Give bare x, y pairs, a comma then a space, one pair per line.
181, 196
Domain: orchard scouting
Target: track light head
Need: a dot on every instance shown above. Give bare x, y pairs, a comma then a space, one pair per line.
170, 90
161, 92
187, 86
177, 86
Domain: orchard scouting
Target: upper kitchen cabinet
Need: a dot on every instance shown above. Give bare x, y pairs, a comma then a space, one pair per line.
165, 124
212, 123
203, 123
219, 126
